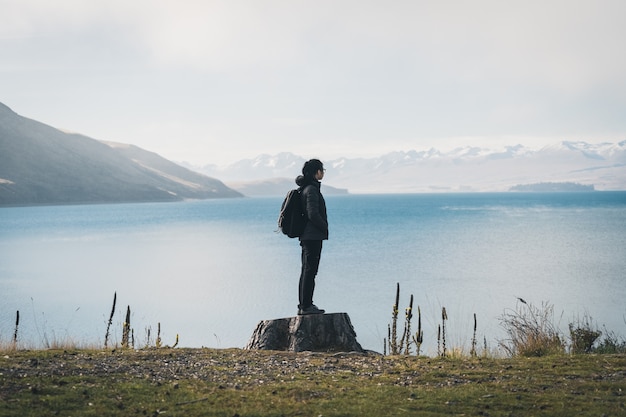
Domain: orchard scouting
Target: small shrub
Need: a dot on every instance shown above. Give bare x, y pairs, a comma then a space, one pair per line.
583, 335
611, 343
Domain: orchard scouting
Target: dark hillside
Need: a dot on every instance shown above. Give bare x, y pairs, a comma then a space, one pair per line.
43, 165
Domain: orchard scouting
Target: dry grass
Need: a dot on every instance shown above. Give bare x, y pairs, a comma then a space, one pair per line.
532, 331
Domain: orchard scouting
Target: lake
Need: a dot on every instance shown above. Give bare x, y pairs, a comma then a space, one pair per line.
210, 270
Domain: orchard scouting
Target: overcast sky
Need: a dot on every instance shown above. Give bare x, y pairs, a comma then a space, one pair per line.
217, 81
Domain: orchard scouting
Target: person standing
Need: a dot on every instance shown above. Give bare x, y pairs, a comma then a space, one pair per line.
315, 231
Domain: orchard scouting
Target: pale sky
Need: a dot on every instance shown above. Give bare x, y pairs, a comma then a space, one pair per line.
218, 81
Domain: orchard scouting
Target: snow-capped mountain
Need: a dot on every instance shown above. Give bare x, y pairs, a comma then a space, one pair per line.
260, 168
602, 165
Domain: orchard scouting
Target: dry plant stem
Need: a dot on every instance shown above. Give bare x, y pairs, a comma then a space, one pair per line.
406, 335
393, 339
444, 317
473, 351
388, 340
106, 336
439, 340
17, 324
126, 329
419, 336
43, 337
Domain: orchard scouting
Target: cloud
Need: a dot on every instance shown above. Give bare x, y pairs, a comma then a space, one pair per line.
565, 44
343, 74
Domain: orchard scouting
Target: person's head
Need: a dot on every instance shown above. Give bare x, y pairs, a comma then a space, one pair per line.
313, 168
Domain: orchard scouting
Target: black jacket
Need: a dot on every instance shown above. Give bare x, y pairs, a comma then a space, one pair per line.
315, 209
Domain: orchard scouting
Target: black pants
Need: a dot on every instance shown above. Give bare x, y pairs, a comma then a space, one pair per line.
311, 252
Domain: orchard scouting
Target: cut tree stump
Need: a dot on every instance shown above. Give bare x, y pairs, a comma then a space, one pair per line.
315, 332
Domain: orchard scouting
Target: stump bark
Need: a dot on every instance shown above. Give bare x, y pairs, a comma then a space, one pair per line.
315, 332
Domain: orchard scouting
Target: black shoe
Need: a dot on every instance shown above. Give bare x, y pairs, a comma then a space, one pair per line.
312, 309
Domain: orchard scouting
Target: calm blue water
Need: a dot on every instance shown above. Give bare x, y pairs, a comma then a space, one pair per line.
210, 270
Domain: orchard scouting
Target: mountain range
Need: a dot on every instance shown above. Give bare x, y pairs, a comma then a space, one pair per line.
464, 169
43, 165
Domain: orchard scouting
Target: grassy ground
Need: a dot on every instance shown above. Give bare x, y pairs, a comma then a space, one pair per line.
233, 382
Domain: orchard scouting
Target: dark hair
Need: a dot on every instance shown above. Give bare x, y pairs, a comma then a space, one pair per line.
311, 167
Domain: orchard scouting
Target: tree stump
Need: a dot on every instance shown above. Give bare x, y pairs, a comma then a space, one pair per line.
315, 332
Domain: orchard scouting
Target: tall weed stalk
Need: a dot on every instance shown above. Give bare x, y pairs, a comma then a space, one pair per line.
106, 336
406, 334
473, 350
444, 317
17, 325
126, 329
404, 345
418, 338
393, 332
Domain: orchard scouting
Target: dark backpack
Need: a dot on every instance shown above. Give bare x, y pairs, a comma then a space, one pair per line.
291, 220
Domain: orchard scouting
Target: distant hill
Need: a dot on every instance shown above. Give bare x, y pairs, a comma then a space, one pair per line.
43, 165
276, 187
